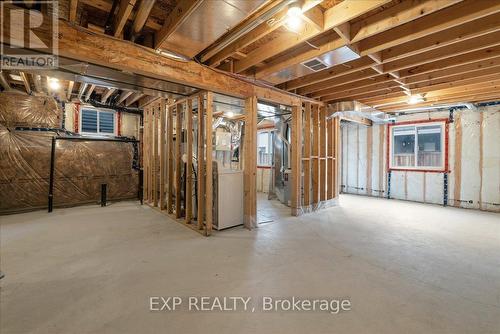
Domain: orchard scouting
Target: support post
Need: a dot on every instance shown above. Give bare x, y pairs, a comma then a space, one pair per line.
170, 160
307, 154
162, 154
178, 155
201, 161
209, 183
189, 161
250, 164
296, 156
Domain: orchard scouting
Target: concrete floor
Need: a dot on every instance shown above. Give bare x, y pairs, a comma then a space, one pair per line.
406, 267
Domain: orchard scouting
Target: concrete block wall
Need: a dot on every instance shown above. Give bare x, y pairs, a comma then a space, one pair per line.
473, 161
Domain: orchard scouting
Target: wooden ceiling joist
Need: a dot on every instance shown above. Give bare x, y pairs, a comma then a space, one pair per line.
106, 95
332, 17
141, 17
26, 82
89, 92
70, 90
73, 7
37, 81
80, 44
3, 81
466, 11
133, 98
439, 39
81, 90
124, 11
124, 95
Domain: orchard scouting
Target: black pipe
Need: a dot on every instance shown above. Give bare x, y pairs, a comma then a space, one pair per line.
140, 192
51, 177
99, 139
103, 194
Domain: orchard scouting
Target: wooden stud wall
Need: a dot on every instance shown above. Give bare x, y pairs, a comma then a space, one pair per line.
168, 134
320, 150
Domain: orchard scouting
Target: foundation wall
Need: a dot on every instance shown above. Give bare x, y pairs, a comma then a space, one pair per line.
473, 176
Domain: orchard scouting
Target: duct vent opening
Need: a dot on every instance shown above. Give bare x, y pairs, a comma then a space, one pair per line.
315, 64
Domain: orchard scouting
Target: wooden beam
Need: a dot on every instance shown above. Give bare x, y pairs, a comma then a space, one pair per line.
488, 40
124, 95
89, 92
399, 14
296, 159
170, 158
315, 155
307, 155
201, 162
71, 84
358, 120
322, 154
163, 153
106, 95
440, 39
344, 32
141, 17
351, 77
250, 164
133, 98
179, 110
154, 150
147, 99
209, 203
37, 80
79, 44
3, 82
81, 90
124, 10
314, 17
73, 6
178, 15
333, 17
458, 14
26, 82
189, 162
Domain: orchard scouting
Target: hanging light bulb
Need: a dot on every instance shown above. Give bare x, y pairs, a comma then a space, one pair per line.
294, 17
414, 99
54, 84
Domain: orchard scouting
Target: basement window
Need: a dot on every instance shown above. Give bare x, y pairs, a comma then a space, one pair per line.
265, 149
418, 146
97, 122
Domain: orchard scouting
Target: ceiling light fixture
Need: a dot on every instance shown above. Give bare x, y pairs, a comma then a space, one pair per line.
54, 84
294, 17
229, 114
414, 99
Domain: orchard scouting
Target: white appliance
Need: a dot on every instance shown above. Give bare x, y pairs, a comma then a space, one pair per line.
229, 199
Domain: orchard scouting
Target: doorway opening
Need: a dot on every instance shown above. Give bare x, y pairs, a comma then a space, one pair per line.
273, 162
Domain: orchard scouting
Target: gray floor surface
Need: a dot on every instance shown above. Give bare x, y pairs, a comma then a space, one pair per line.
405, 267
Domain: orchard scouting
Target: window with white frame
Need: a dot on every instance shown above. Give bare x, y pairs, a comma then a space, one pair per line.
418, 146
265, 148
96, 121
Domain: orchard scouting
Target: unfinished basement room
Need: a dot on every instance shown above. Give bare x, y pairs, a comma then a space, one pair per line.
250, 166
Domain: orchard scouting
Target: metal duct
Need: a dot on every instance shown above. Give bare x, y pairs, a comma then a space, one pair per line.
355, 108
209, 21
